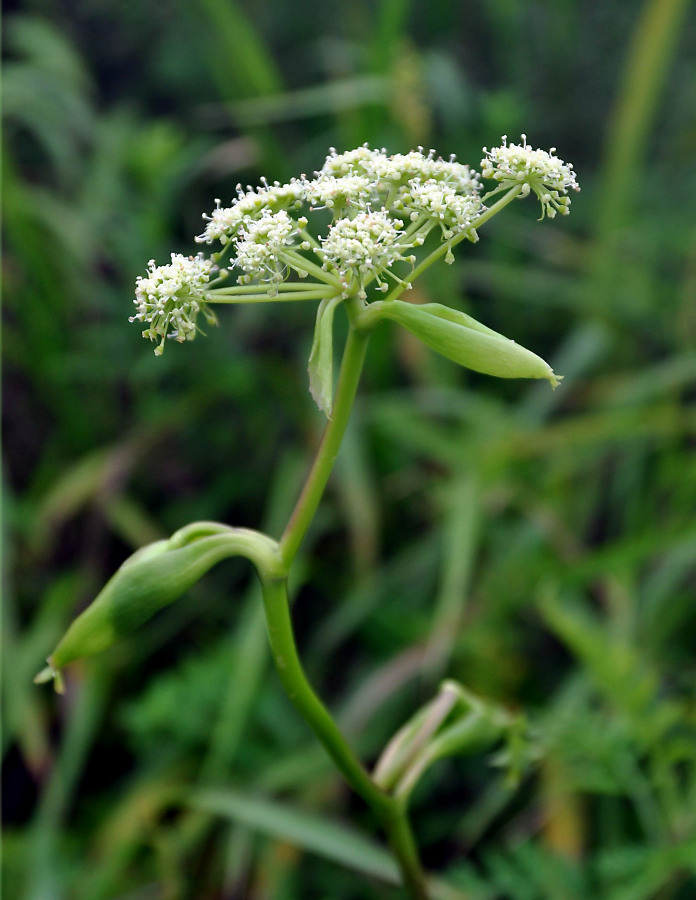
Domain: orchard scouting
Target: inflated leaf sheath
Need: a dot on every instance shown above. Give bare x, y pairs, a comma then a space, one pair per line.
467, 342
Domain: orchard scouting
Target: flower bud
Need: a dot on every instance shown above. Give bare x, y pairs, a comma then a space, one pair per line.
152, 578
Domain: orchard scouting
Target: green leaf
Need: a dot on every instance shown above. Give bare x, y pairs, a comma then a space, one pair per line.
311, 832
315, 834
321, 357
468, 342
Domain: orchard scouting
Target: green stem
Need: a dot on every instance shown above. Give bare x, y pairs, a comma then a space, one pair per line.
424, 224
308, 237
307, 703
285, 287
351, 368
391, 811
219, 297
300, 264
403, 845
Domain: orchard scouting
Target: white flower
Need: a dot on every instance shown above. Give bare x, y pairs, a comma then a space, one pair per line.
540, 171
224, 222
365, 244
170, 297
260, 246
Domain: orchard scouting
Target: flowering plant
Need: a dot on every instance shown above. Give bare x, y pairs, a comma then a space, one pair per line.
381, 212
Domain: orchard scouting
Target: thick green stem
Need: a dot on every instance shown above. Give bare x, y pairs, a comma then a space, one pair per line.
391, 811
351, 368
403, 845
305, 700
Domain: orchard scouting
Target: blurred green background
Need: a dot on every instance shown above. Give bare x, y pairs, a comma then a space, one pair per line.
539, 547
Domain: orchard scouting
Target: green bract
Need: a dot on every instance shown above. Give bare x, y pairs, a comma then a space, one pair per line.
321, 357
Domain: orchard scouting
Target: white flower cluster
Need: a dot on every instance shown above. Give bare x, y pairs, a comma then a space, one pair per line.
441, 203
338, 192
260, 245
548, 176
381, 207
403, 167
385, 171
360, 160
365, 245
397, 180
417, 186
169, 298
225, 222
369, 193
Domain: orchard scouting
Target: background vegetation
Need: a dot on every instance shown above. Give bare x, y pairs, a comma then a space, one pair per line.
539, 547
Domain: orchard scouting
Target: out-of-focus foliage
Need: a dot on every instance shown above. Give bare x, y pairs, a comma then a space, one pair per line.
539, 547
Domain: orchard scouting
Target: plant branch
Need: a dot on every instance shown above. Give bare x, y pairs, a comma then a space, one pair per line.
301, 264
284, 287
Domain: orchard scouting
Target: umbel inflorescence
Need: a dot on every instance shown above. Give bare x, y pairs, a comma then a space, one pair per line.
545, 174
375, 211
